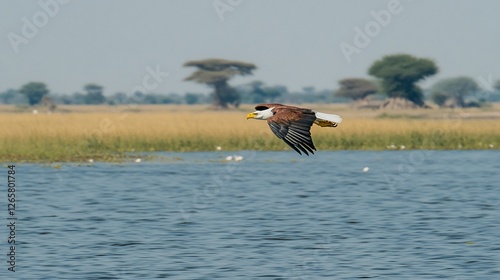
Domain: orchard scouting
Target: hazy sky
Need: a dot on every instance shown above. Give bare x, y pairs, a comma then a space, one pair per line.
295, 43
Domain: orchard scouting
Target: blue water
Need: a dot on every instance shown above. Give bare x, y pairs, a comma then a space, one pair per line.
273, 215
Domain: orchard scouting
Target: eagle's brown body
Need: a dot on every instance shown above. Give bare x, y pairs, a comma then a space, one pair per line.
292, 124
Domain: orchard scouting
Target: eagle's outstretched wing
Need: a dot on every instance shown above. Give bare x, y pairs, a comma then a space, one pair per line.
292, 125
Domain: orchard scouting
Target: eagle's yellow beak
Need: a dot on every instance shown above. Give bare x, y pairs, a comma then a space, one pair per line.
251, 116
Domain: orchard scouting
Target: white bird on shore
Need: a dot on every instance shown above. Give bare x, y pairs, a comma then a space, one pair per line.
238, 158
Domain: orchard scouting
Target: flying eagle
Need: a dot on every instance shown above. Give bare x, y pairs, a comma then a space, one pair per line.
292, 124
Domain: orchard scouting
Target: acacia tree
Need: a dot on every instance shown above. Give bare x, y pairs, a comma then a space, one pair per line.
34, 91
453, 90
216, 73
399, 74
94, 94
356, 88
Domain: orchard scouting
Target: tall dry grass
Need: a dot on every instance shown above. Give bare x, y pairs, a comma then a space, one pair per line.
108, 135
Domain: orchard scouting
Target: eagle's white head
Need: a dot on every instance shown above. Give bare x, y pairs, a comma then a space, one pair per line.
261, 115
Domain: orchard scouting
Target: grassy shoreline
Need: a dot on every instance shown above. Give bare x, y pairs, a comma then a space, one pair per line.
106, 133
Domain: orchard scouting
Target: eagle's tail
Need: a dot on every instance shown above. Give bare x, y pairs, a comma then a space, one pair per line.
327, 120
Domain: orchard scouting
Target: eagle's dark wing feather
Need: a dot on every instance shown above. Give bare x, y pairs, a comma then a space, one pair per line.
292, 125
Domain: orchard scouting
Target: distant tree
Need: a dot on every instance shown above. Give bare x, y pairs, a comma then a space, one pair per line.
356, 88
34, 91
454, 89
137, 97
117, 98
94, 94
261, 93
78, 98
152, 98
174, 98
439, 98
191, 98
12, 96
309, 90
216, 73
271, 93
257, 92
399, 74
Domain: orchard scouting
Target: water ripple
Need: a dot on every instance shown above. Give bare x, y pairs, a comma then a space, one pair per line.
270, 216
